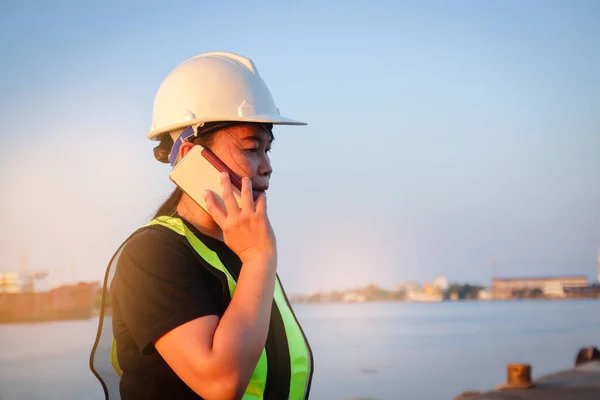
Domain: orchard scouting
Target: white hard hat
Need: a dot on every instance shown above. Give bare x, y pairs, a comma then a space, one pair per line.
213, 87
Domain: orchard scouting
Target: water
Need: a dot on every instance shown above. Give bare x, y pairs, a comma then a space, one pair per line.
371, 350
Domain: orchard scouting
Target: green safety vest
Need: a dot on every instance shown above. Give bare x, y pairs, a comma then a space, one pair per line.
105, 365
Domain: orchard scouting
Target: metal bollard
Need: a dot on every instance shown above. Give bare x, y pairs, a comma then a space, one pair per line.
587, 354
518, 376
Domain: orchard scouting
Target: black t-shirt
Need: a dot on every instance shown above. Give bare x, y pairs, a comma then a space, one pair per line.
160, 283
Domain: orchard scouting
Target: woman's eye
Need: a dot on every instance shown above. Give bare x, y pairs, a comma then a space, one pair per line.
257, 149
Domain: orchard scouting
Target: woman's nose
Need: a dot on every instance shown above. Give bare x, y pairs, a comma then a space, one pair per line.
265, 168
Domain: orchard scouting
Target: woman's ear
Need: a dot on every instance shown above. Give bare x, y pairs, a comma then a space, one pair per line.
183, 149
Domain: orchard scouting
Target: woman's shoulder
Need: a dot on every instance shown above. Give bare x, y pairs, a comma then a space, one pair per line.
156, 245
152, 237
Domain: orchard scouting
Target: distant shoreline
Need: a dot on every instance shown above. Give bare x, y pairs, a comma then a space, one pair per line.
447, 300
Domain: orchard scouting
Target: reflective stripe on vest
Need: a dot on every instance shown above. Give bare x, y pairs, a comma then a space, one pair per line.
299, 355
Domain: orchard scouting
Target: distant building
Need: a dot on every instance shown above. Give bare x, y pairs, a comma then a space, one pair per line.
407, 286
504, 288
353, 298
9, 283
441, 283
429, 294
432, 290
484, 294
554, 289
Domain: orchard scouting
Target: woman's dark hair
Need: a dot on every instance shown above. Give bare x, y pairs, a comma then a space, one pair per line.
170, 205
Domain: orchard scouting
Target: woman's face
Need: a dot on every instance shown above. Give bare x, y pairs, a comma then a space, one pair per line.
244, 148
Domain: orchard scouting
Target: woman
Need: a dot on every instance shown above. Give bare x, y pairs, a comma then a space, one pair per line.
198, 311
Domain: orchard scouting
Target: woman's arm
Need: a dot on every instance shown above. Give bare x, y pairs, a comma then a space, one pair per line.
216, 357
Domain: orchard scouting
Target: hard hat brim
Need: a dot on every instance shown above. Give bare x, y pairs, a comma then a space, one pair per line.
258, 119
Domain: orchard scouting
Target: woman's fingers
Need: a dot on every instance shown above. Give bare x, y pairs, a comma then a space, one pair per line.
261, 204
215, 207
247, 198
231, 204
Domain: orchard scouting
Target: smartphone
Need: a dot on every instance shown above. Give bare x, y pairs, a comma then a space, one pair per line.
200, 169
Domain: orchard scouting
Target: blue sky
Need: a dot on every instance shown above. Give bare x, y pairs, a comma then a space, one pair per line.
442, 135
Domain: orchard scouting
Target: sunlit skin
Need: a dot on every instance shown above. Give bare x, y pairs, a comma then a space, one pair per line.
216, 356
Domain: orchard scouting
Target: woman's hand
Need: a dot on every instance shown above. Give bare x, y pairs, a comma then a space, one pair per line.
246, 229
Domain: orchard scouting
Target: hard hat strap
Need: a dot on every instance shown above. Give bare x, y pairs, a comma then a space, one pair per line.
189, 131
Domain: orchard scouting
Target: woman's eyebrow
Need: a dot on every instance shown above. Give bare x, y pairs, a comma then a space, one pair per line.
257, 138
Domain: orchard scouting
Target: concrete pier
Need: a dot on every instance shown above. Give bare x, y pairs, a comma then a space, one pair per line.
580, 383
